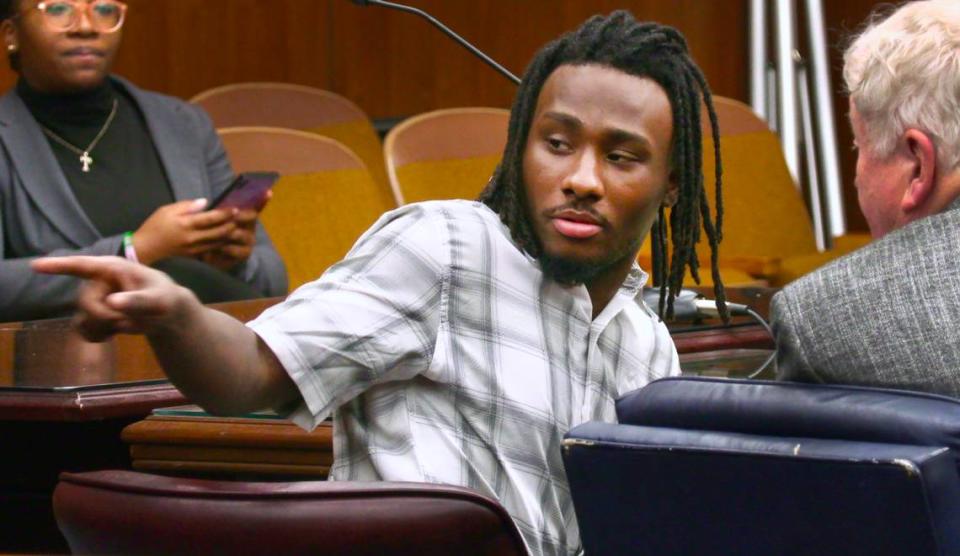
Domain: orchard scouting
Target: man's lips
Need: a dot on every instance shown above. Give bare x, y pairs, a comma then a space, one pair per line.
576, 224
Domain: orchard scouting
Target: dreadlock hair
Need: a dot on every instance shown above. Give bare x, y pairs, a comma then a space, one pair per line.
646, 50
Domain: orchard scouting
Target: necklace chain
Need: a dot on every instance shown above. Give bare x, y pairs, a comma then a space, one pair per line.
85, 157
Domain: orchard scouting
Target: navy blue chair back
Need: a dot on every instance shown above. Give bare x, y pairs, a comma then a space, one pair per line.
719, 466
793, 409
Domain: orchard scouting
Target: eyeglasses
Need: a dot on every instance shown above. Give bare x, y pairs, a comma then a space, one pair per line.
105, 16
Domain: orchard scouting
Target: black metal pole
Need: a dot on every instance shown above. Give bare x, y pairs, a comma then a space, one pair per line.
447, 31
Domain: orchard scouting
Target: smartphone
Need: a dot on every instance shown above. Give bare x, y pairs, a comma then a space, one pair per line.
245, 191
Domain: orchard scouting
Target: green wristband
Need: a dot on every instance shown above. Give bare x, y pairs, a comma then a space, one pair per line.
129, 252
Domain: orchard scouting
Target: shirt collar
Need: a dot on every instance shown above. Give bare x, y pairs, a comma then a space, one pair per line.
636, 279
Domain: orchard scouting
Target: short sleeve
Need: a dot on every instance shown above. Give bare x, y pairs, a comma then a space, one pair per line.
371, 318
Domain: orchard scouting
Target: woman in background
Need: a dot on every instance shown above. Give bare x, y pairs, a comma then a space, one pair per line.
90, 164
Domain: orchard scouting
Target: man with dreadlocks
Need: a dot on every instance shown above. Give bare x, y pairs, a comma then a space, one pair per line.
458, 341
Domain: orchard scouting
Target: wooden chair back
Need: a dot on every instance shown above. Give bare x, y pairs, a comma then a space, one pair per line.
323, 202
296, 107
445, 154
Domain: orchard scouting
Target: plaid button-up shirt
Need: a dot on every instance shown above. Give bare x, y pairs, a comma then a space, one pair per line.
450, 358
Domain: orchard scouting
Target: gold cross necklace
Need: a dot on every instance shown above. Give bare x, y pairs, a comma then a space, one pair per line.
85, 157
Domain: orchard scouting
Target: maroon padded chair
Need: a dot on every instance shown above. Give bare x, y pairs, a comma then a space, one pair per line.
125, 512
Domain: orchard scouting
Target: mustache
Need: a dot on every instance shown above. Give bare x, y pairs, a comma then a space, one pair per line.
577, 207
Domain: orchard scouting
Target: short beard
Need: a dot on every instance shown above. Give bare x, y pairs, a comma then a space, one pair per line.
569, 272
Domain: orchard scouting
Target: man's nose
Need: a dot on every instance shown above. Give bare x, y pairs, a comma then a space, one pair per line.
585, 180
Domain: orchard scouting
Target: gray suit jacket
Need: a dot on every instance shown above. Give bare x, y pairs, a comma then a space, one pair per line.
885, 315
39, 214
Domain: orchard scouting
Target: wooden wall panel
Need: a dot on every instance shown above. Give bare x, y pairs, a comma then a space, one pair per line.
411, 67
391, 63
182, 47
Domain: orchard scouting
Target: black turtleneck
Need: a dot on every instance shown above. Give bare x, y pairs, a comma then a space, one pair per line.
126, 181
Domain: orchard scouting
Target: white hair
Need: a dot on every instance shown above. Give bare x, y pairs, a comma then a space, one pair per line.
904, 72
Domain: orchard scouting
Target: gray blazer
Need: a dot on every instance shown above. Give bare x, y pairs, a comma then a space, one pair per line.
39, 214
885, 315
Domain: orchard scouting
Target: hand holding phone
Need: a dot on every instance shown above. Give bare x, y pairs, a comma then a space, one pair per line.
245, 191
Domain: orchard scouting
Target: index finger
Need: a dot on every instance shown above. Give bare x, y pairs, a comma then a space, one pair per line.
87, 267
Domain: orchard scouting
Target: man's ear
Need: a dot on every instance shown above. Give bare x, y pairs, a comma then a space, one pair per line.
673, 190
922, 159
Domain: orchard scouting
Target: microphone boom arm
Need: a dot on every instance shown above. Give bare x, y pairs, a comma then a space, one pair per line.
447, 31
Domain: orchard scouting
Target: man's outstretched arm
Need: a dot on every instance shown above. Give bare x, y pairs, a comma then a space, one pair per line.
214, 359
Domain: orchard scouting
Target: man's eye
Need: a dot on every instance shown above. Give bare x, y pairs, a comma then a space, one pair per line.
556, 144
620, 157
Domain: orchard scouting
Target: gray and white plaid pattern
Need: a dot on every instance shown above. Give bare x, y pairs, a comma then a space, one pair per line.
450, 358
